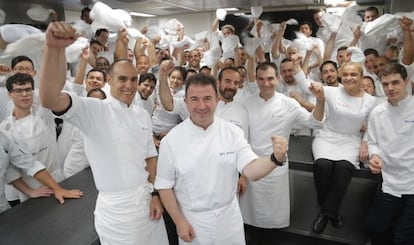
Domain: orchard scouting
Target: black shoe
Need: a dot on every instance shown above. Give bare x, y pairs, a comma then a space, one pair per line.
320, 223
337, 222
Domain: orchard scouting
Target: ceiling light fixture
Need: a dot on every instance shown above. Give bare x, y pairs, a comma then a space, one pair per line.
141, 14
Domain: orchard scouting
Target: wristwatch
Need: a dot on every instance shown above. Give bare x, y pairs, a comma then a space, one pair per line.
275, 161
155, 193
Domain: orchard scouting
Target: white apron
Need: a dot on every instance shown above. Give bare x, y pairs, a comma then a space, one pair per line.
123, 218
223, 226
36, 139
265, 194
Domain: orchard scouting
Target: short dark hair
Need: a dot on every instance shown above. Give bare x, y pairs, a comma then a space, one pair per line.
286, 60
328, 62
84, 10
100, 30
93, 41
189, 70
265, 65
369, 78
372, 9
306, 23
181, 70
203, 68
19, 59
394, 68
342, 48
220, 75
96, 90
201, 79
19, 79
147, 76
97, 70
372, 51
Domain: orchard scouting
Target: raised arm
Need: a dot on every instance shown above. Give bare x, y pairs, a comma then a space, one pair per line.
329, 46
277, 46
164, 89
59, 35
408, 41
121, 46
80, 74
357, 35
215, 25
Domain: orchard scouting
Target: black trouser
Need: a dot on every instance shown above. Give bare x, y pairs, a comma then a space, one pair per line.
391, 220
331, 181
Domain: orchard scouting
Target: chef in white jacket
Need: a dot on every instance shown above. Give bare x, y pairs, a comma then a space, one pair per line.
266, 202
13, 155
197, 177
390, 136
33, 126
118, 143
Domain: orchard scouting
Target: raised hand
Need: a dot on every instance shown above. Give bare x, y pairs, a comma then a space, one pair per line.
280, 146
60, 35
317, 89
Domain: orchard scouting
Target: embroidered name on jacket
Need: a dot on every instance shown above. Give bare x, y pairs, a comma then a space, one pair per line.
226, 153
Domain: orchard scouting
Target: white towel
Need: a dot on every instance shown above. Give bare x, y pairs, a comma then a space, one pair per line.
13, 32
357, 55
303, 42
250, 45
221, 14
74, 50
382, 25
331, 21
292, 22
113, 19
171, 26
180, 44
256, 11
29, 44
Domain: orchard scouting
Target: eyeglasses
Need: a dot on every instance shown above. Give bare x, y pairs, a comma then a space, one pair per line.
21, 91
23, 69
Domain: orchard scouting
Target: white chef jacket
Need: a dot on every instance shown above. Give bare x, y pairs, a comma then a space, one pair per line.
307, 95
390, 136
118, 139
75, 158
11, 152
266, 202
232, 112
147, 104
203, 170
37, 134
163, 120
340, 137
